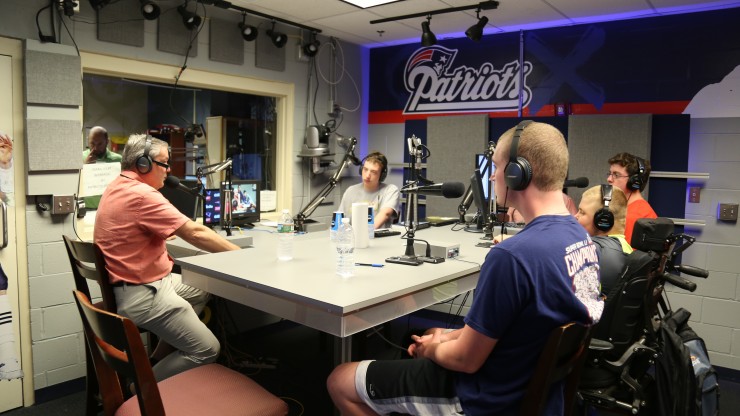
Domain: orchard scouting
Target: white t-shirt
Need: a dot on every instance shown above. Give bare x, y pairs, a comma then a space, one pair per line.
386, 196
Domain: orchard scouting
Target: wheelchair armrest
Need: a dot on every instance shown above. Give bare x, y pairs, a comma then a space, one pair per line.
600, 345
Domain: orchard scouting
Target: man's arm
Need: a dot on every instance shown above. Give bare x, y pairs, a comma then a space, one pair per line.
383, 215
465, 353
204, 238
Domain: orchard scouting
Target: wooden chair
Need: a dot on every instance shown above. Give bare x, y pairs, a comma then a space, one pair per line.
211, 389
87, 266
561, 359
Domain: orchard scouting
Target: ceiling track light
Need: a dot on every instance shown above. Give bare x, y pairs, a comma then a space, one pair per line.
279, 39
475, 32
427, 37
311, 48
249, 32
189, 19
149, 9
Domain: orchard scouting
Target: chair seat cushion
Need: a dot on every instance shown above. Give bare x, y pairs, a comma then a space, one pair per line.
212, 389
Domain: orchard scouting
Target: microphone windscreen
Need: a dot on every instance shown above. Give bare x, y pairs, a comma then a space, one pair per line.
453, 189
581, 182
171, 181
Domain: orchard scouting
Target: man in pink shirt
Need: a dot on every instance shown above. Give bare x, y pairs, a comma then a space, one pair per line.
132, 225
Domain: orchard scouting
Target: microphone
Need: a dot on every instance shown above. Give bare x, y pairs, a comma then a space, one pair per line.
174, 182
355, 161
576, 183
445, 189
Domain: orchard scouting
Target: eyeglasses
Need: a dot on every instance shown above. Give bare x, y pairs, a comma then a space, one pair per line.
164, 165
615, 175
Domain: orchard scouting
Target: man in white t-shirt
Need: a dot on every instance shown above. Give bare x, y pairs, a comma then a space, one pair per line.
381, 196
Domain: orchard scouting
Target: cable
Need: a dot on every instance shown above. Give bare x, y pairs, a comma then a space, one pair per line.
42, 37
376, 330
61, 19
185, 62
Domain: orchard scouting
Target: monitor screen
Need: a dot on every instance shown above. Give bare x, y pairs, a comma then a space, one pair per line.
481, 163
244, 203
476, 185
211, 207
183, 201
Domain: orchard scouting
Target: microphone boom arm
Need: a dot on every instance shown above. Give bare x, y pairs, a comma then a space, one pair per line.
306, 212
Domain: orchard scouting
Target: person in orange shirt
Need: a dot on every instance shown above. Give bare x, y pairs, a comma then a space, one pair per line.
630, 174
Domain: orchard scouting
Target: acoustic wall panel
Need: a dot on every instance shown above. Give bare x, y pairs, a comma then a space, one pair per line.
453, 142
593, 139
225, 43
121, 22
50, 145
53, 77
174, 37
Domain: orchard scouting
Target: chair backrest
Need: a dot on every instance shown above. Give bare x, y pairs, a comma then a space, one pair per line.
562, 358
88, 264
117, 350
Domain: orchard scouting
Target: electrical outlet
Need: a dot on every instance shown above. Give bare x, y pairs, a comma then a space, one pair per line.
727, 212
62, 204
694, 197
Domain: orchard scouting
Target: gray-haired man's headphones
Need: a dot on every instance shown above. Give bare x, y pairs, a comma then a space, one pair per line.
144, 162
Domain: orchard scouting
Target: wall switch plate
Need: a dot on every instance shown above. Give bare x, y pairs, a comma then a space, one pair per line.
727, 212
694, 194
62, 204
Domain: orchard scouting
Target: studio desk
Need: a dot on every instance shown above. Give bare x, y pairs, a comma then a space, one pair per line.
306, 290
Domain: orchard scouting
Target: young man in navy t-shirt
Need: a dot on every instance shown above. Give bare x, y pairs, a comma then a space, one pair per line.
545, 276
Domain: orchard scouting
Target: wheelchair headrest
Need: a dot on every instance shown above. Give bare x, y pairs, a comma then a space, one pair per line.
652, 234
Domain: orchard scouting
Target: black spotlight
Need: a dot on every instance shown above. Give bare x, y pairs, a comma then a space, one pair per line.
427, 37
68, 6
312, 47
278, 39
249, 32
189, 19
475, 32
149, 9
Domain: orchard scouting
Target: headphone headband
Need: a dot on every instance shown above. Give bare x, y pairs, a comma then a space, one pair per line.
518, 172
604, 217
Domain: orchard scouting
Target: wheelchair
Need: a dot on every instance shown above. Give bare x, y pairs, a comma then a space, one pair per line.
619, 368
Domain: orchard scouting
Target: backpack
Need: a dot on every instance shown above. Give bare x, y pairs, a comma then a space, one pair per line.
686, 381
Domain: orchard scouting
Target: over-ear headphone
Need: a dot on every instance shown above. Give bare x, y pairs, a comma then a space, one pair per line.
383, 161
604, 218
518, 172
636, 181
144, 162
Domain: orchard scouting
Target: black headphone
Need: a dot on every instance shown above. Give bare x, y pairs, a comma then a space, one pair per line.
144, 162
518, 172
636, 181
604, 218
383, 161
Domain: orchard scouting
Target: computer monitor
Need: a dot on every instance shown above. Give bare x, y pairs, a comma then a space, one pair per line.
482, 163
244, 203
476, 185
183, 201
212, 207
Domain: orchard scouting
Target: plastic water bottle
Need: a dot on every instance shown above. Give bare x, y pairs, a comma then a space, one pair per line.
345, 249
285, 237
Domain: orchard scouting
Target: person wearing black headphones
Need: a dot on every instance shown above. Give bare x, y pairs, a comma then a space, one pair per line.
630, 173
544, 277
132, 225
602, 213
383, 197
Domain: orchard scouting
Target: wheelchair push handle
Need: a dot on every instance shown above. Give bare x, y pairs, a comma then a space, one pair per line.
679, 281
693, 271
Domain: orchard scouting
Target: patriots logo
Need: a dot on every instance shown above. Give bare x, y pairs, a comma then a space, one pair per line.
438, 58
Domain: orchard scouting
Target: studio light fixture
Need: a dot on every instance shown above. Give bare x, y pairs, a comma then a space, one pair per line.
427, 37
149, 9
189, 19
312, 47
249, 32
475, 32
278, 39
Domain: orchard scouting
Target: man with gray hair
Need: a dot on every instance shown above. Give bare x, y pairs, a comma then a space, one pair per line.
132, 225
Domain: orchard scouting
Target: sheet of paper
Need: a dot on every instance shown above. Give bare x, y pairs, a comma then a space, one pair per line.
94, 177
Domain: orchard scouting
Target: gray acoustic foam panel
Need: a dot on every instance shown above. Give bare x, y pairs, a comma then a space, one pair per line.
593, 139
49, 145
122, 22
267, 55
173, 36
225, 43
453, 142
53, 78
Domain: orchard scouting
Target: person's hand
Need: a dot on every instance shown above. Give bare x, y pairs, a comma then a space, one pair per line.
421, 343
91, 158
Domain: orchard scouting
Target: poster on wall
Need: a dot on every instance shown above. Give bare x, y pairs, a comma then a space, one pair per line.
6, 169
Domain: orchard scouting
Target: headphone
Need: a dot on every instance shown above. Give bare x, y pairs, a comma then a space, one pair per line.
637, 180
518, 172
144, 162
383, 161
604, 218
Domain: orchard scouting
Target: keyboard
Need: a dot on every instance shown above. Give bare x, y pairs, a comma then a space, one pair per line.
386, 233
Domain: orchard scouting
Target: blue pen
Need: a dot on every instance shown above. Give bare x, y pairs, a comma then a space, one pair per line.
370, 264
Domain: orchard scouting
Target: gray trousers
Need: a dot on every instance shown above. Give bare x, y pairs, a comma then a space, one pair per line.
169, 309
